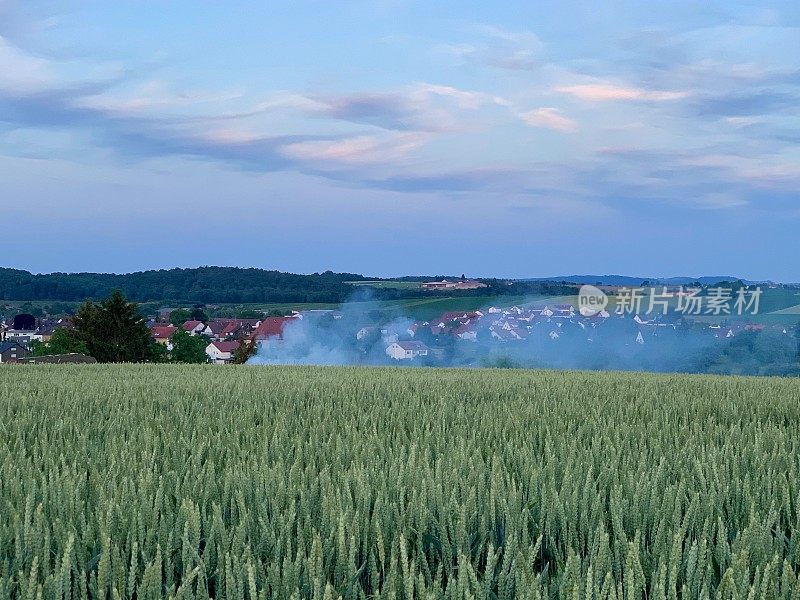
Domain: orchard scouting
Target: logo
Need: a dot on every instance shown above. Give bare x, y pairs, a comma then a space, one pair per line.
591, 300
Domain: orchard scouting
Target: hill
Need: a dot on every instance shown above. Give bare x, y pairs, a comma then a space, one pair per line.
237, 285
627, 280
204, 284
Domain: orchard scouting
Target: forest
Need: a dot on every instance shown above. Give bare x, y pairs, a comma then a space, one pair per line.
231, 285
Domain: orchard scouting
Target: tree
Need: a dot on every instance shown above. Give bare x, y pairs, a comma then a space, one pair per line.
32, 309
63, 341
188, 348
114, 331
198, 314
246, 350
179, 316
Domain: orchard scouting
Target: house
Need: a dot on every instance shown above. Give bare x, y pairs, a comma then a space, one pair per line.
21, 336
317, 312
231, 329
461, 317
406, 350
221, 353
466, 332
11, 352
271, 327
506, 334
540, 310
162, 333
563, 310
43, 335
196, 328
460, 284
220, 328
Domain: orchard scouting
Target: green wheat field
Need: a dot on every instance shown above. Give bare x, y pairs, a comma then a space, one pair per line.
252, 483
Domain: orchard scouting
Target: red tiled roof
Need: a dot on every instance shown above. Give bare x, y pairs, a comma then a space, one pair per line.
271, 327
226, 346
191, 325
163, 332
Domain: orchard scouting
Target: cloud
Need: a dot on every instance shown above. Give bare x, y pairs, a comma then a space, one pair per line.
610, 92
148, 96
373, 138
496, 179
356, 150
719, 200
550, 118
499, 48
423, 106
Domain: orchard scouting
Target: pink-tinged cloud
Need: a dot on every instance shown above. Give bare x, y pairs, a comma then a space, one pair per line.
610, 92
357, 150
550, 118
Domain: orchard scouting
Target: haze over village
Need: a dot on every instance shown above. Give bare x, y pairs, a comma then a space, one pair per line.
731, 326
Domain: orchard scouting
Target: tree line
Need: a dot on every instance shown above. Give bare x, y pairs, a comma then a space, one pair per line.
234, 285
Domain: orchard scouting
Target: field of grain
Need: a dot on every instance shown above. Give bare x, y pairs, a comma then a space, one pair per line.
146, 482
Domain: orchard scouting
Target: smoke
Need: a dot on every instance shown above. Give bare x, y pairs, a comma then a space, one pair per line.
360, 332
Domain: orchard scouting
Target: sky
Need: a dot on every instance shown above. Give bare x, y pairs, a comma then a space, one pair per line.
394, 137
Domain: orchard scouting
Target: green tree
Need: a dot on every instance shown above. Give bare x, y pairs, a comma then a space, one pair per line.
32, 309
198, 314
179, 316
188, 348
64, 341
114, 330
244, 352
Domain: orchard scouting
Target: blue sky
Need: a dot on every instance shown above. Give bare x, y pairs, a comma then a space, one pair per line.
394, 137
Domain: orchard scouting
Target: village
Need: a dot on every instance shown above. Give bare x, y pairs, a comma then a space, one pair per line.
436, 341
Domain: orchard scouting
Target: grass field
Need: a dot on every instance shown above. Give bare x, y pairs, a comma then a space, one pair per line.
121, 482
400, 285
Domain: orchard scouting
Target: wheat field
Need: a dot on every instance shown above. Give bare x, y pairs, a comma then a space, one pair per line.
251, 483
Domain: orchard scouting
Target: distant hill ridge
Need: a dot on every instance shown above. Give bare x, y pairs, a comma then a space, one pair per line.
202, 284
635, 281
211, 284
234, 285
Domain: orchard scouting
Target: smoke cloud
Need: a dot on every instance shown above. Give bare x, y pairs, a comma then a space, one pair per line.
533, 334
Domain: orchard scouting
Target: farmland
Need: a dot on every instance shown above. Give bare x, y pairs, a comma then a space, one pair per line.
259, 482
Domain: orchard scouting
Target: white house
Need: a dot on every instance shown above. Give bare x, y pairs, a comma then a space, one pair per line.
21, 336
406, 350
221, 353
541, 311
196, 328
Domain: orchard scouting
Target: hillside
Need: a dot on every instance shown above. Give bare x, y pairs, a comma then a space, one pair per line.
204, 284
260, 482
234, 285
627, 280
